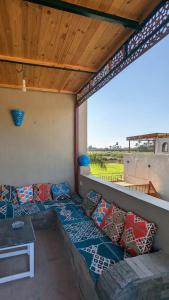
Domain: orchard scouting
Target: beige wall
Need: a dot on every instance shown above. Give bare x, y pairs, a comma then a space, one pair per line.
141, 168
148, 207
41, 150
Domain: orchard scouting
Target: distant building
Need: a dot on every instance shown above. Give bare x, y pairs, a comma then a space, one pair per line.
162, 146
141, 168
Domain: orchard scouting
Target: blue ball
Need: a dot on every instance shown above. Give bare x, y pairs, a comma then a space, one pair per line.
84, 160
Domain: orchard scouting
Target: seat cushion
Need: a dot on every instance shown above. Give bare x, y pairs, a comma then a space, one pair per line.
42, 192
9, 194
99, 213
99, 254
82, 230
25, 194
75, 200
28, 209
69, 213
98, 250
138, 234
6, 210
90, 202
113, 223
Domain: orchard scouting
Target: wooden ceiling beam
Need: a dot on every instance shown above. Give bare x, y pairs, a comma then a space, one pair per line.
33, 88
87, 12
46, 64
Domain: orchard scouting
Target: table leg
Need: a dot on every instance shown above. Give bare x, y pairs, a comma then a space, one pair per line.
31, 259
29, 251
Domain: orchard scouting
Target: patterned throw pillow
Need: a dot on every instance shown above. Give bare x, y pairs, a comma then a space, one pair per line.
90, 202
42, 192
61, 191
9, 194
101, 210
138, 235
1, 192
25, 194
113, 223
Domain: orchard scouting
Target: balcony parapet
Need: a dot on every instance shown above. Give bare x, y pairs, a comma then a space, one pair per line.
148, 207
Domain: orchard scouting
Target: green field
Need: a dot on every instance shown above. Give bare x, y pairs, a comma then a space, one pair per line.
112, 171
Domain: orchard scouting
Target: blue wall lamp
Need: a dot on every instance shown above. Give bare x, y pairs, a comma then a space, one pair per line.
17, 116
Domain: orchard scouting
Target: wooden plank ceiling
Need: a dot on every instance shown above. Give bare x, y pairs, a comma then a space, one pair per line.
67, 48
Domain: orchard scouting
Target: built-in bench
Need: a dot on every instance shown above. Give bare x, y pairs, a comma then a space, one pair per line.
97, 249
115, 276
103, 269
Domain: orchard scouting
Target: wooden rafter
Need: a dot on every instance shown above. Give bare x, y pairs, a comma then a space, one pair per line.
150, 136
87, 12
33, 88
41, 63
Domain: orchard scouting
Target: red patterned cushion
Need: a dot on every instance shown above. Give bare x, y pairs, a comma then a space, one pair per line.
42, 191
138, 235
113, 223
100, 211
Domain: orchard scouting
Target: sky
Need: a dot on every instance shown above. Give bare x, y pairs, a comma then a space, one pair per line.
135, 102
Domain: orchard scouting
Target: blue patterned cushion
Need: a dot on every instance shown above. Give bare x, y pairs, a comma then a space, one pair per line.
61, 191
6, 210
9, 194
90, 202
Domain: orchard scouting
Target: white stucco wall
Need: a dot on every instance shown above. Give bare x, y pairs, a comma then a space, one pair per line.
142, 168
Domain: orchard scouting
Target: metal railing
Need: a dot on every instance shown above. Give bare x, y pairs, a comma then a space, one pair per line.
111, 177
144, 188
147, 188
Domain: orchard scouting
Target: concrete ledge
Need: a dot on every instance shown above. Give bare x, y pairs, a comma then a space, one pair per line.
136, 194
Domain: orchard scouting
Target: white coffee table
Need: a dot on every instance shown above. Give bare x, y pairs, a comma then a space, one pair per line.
17, 242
